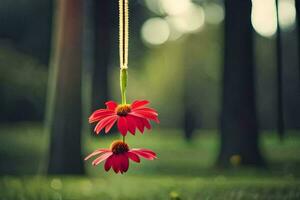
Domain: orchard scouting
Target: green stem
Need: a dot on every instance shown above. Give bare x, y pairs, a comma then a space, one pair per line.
123, 83
123, 86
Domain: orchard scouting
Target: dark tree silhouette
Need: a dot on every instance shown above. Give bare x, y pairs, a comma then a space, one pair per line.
102, 17
239, 129
297, 4
280, 121
189, 121
64, 103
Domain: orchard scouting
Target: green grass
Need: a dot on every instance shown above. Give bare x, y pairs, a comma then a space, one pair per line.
183, 170
148, 187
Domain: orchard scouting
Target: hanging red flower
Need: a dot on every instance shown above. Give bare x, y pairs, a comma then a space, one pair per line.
128, 117
117, 157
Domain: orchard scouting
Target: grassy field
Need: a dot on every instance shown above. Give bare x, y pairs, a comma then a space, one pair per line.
183, 171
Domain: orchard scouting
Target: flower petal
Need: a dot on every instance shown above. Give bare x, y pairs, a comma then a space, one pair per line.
111, 105
104, 123
139, 124
115, 163
146, 123
146, 151
149, 115
145, 115
110, 125
138, 104
108, 163
131, 124
144, 154
100, 114
98, 151
147, 110
101, 158
133, 157
99, 118
124, 163
122, 125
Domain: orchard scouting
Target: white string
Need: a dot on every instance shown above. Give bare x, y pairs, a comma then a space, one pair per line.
123, 33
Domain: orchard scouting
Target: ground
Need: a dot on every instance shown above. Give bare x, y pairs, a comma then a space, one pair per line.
184, 170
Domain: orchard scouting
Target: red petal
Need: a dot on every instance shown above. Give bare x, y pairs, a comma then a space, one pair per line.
137, 104
144, 154
149, 115
133, 156
99, 118
108, 163
148, 110
139, 123
110, 125
146, 151
131, 124
115, 163
104, 123
143, 114
101, 158
146, 123
98, 151
100, 114
111, 105
122, 125
124, 163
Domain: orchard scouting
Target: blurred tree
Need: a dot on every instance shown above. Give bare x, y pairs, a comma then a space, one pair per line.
189, 121
297, 4
64, 103
27, 24
280, 120
239, 129
103, 13
24, 48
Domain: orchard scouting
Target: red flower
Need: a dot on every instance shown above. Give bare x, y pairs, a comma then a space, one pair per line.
117, 157
128, 117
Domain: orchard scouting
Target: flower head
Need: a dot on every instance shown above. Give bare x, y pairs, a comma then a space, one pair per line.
128, 117
118, 155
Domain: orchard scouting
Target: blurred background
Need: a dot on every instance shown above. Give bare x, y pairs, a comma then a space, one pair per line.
224, 76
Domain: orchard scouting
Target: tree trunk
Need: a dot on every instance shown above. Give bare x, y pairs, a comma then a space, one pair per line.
280, 118
189, 123
297, 4
102, 29
64, 103
239, 130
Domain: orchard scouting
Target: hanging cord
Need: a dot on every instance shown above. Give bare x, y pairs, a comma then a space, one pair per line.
123, 46
123, 33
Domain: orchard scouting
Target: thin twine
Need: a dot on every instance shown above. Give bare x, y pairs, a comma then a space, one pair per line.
123, 33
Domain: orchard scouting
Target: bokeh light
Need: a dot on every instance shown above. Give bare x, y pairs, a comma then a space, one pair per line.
177, 7
287, 14
190, 21
154, 6
175, 34
214, 13
155, 31
264, 17
182, 17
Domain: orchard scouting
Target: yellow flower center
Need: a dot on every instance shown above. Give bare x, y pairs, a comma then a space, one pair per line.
123, 109
119, 147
